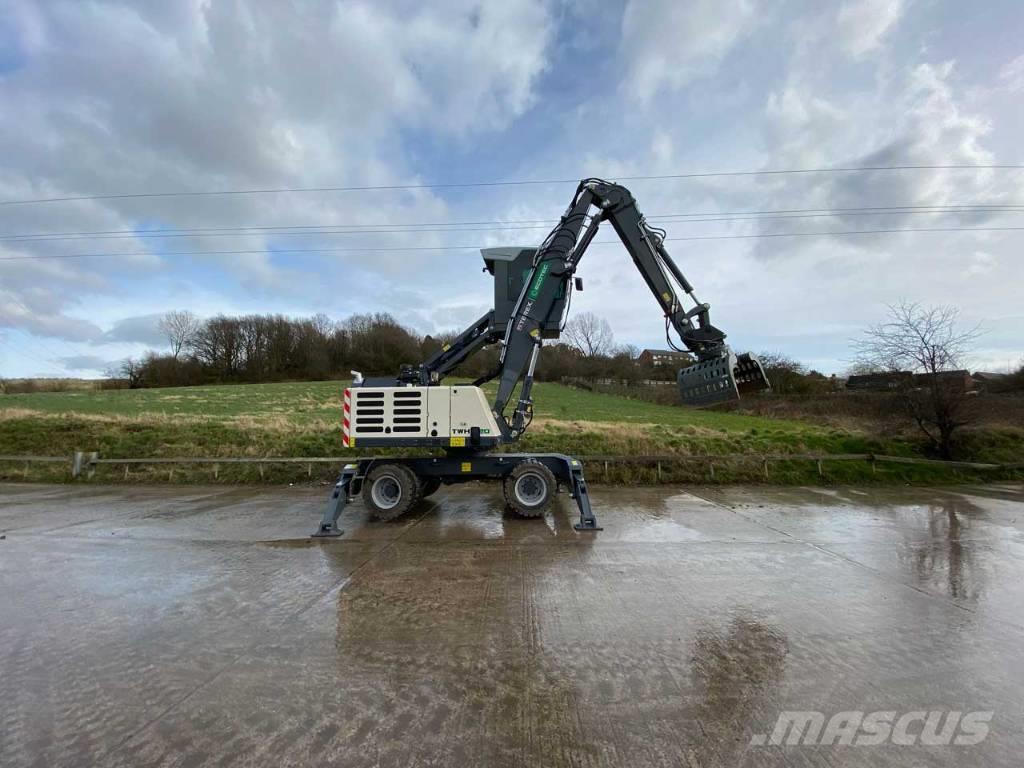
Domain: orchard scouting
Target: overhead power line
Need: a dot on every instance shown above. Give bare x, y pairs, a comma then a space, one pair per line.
398, 249
520, 182
506, 225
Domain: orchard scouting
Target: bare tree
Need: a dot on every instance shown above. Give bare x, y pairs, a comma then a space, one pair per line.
129, 370
788, 376
590, 334
220, 345
928, 342
180, 327
629, 352
861, 368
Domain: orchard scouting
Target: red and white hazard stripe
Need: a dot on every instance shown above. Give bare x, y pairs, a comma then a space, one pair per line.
346, 419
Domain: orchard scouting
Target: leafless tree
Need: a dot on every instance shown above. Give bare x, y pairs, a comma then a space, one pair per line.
788, 376
220, 345
180, 327
928, 342
590, 334
627, 351
129, 370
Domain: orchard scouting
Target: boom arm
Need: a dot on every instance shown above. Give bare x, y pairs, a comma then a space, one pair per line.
718, 374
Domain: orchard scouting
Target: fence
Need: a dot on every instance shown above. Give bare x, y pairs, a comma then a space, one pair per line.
84, 463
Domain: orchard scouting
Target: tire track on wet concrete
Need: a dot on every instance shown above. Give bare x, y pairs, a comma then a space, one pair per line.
333, 589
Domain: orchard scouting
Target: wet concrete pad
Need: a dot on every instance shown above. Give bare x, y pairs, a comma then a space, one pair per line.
199, 626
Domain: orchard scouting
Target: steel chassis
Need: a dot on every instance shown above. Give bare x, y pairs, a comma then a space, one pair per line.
461, 468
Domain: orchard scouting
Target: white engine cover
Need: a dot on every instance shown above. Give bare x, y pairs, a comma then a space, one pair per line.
405, 414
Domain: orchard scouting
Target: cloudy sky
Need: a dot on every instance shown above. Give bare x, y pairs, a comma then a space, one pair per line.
107, 100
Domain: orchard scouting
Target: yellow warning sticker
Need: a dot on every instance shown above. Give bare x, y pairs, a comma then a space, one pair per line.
446, 347
467, 467
457, 442
351, 442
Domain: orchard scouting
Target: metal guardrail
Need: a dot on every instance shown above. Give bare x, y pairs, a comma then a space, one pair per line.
84, 463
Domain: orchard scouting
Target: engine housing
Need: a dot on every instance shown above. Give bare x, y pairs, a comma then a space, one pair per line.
456, 416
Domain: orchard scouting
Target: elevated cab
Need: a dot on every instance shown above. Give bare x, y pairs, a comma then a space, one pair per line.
511, 267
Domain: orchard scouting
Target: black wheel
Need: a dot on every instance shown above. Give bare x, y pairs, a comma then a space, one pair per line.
429, 485
530, 489
390, 490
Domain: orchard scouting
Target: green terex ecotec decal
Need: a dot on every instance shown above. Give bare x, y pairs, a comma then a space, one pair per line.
538, 280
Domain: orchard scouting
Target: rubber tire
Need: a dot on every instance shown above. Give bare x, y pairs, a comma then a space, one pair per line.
408, 483
429, 486
550, 484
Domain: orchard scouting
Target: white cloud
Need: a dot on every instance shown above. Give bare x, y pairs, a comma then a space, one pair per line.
143, 329
1012, 75
862, 24
668, 43
914, 120
116, 97
980, 263
91, 364
112, 97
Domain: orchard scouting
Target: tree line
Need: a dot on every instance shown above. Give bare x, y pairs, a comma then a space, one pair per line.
261, 348
925, 342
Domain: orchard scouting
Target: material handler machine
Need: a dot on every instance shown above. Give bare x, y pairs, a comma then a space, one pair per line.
532, 288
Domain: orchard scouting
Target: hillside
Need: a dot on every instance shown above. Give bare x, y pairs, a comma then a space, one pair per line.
302, 419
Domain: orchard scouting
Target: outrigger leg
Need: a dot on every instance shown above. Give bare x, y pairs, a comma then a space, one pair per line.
339, 497
579, 492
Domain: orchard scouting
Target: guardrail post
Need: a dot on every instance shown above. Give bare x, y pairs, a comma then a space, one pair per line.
820, 472
711, 466
76, 464
90, 467
766, 469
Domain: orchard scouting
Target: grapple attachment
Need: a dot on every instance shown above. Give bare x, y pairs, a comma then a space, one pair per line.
721, 379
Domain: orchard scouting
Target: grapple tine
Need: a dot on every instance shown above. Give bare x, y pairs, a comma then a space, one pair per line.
749, 375
721, 379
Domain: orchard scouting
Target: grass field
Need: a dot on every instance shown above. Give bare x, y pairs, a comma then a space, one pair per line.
302, 419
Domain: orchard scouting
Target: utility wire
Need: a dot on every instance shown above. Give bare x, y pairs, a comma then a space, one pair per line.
522, 182
500, 226
478, 247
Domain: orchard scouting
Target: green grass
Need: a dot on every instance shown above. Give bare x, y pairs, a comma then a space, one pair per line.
303, 419
299, 402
